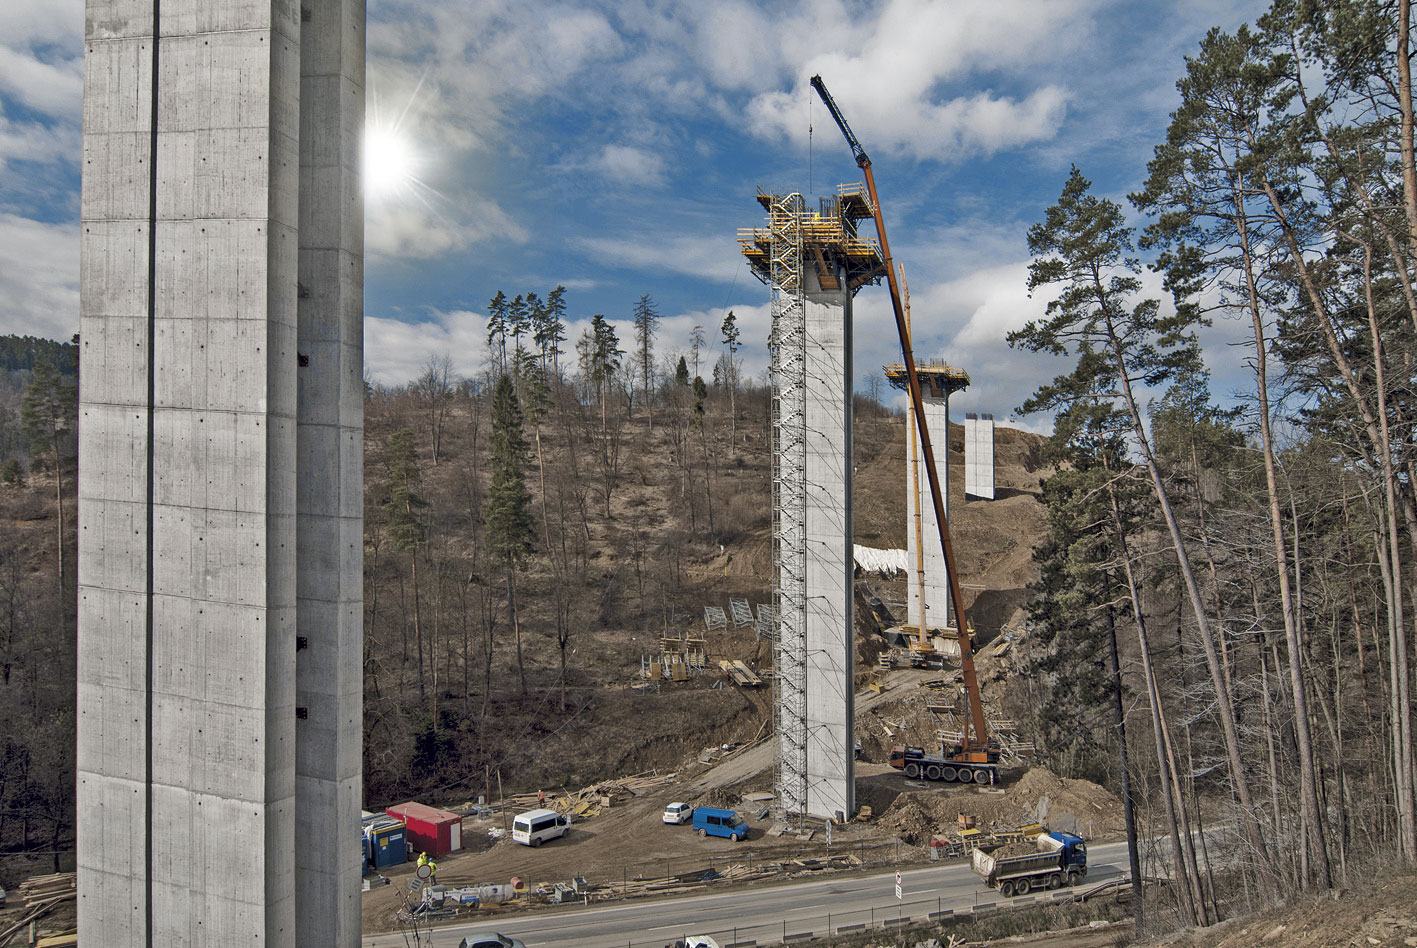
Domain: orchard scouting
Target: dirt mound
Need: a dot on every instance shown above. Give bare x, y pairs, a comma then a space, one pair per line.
1382, 918
911, 820
1074, 806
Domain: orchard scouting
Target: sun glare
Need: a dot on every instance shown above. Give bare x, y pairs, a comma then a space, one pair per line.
390, 163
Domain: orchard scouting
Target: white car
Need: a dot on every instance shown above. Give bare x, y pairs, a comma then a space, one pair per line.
678, 813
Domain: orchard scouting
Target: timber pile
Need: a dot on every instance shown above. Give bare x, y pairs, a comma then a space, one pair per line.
40, 895
57, 887
588, 801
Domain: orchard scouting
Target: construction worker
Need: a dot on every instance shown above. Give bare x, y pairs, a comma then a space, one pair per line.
432, 872
422, 860
541, 798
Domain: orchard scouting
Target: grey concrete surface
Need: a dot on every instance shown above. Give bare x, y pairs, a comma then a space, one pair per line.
979, 456
937, 580
204, 452
830, 609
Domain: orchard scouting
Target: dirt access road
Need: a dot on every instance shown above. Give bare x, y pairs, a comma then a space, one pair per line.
630, 841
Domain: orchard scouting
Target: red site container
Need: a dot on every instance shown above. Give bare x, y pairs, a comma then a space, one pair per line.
430, 830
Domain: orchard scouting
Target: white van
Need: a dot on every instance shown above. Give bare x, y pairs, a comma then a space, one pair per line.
535, 827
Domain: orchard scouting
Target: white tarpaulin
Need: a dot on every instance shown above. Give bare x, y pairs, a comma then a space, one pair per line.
872, 560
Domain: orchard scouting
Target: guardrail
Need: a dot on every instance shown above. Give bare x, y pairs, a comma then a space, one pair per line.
876, 918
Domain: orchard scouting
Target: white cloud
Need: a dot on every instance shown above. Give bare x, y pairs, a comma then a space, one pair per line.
890, 77
39, 278
708, 258
415, 231
627, 165
52, 88
396, 352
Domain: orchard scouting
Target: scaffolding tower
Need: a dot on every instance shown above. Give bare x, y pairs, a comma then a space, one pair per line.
787, 347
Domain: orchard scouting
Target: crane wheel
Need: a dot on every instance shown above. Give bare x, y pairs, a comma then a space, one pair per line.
932, 772
912, 771
948, 774
981, 777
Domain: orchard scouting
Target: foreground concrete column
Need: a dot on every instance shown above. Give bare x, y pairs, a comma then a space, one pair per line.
330, 492
216, 454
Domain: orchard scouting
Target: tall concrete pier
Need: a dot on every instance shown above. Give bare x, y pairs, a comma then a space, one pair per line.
928, 601
220, 473
814, 262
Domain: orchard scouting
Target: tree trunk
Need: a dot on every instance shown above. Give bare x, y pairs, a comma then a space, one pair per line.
1313, 819
516, 621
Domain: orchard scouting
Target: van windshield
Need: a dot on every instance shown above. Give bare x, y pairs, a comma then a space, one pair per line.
521, 826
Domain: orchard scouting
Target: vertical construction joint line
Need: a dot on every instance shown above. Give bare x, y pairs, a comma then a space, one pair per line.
148, 617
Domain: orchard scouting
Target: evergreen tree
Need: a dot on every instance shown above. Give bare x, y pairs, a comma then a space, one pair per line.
646, 320
681, 372
403, 519
1083, 246
49, 413
550, 330
730, 341
507, 510
497, 328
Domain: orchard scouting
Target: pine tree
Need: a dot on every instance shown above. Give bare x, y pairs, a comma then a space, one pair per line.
730, 341
497, 328
1083, 246
49, 413
403, 519
507, 510
646, 319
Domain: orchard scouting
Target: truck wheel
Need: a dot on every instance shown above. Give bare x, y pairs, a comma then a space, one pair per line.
1072, 878
1055, 881
1022, 886
1006, 889
932, 772
912, 771
947, 774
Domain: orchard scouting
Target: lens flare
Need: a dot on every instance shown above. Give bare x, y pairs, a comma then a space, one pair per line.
390, 164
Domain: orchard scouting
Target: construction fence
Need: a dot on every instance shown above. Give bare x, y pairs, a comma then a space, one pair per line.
887, 917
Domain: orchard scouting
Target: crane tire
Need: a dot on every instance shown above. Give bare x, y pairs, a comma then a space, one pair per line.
981, 777
932, 772
912, 770
948, 774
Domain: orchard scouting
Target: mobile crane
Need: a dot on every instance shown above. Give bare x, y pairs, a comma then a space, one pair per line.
975, 757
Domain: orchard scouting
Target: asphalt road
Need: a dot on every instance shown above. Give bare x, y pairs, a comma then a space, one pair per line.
761, 914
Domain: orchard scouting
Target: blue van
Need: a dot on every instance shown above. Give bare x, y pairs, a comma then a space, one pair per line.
711, 821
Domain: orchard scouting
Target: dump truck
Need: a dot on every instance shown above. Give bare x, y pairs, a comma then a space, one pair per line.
1055, 860
951, 765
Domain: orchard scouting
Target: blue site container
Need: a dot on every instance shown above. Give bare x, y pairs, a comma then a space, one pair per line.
385, 843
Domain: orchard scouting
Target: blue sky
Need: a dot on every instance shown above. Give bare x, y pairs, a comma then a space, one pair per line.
616, 148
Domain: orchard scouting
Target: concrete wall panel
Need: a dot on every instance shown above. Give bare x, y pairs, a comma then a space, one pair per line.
830, 615
937, 593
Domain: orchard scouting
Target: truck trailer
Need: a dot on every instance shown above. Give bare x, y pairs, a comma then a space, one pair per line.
950, 765
1059, 859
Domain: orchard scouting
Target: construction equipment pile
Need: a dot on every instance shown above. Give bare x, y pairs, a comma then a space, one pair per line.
589, 801
39, 896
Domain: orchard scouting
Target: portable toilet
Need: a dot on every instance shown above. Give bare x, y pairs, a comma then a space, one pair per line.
385, 843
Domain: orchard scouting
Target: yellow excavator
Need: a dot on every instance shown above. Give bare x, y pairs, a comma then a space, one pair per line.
975, 757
